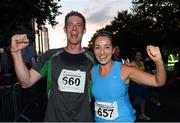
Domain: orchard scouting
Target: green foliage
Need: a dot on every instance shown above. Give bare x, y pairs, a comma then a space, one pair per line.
46, 10
15, 13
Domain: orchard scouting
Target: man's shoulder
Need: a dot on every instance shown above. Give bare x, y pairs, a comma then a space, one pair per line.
89, 55
88, 52
49, 54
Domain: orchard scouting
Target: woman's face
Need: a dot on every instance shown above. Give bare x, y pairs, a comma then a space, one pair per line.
103, 49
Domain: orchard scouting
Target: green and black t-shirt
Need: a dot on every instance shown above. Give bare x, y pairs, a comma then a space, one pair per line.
67, 77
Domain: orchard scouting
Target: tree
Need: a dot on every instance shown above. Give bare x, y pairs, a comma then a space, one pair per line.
150, 22
128, 30
15, 13
164, 18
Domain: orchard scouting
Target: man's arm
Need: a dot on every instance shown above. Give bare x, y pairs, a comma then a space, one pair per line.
26, 77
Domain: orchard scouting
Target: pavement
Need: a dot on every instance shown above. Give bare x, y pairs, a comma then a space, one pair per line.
168, 111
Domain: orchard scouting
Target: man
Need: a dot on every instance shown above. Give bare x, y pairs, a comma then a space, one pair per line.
67, 70
117, 56
172, 59
140, 90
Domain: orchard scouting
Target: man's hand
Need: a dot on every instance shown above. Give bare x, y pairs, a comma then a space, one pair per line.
19, 42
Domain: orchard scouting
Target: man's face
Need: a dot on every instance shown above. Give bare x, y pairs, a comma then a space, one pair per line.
117, 51
74, 30
138, 56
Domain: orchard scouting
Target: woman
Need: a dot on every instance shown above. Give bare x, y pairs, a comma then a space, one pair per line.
110, 80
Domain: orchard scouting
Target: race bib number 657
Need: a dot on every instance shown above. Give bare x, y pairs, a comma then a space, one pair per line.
72, 81
107, 111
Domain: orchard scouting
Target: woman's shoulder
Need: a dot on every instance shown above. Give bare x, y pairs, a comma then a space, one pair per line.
127, 69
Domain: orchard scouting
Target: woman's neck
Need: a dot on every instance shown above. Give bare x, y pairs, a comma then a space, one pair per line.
104, 70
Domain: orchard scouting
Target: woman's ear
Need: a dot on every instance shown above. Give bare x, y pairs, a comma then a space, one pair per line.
114, 50
84, 31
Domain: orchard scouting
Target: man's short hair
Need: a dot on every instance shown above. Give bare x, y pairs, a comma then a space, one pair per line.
75, 13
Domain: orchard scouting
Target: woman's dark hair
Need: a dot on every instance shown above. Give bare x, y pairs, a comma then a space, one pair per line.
104, 33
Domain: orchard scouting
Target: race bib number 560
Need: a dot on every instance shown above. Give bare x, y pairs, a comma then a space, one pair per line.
72, 81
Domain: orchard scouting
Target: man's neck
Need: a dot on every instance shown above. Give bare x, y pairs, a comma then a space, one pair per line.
74, 49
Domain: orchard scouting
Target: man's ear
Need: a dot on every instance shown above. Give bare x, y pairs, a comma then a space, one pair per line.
64, 29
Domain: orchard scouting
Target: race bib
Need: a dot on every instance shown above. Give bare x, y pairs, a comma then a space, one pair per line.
107, 111
72, 81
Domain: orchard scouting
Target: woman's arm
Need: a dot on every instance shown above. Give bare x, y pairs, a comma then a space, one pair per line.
141, 77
